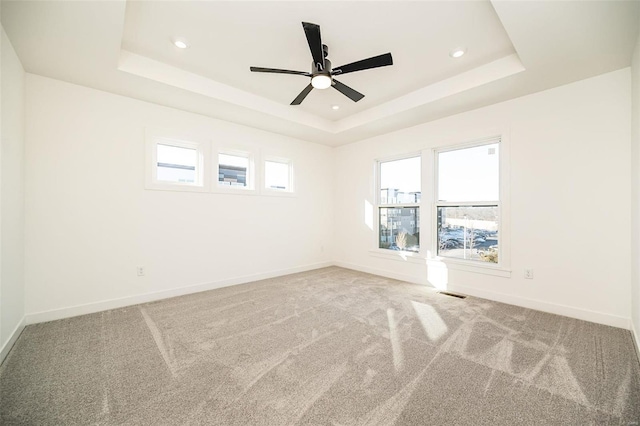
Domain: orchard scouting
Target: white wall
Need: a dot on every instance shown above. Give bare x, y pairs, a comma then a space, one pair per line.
11, 197
635, 193
90, 221
569, 162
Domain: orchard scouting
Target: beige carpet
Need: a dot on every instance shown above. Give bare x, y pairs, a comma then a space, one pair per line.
327, 347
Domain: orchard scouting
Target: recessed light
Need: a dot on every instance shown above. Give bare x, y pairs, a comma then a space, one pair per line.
457, 52
335, 107
180, 43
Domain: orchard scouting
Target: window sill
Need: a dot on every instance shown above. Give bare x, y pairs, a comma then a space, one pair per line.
469, 267
401, 256
277, 193
161, 186
417, 258
233, 191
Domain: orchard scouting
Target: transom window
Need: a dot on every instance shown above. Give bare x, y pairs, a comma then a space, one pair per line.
277, 175
235, 170
179, 162
176, 164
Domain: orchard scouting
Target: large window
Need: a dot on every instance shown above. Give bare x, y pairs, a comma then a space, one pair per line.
468, 202
399, 204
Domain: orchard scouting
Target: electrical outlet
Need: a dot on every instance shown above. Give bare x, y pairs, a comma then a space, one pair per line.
528, 274
140, 270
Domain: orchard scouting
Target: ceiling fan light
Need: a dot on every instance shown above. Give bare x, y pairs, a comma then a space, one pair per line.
321, 81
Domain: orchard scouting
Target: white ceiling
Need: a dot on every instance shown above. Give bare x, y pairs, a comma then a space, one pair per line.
227, 38
513, 48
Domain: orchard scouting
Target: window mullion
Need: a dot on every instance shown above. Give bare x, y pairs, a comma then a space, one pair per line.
467, 203
398, 205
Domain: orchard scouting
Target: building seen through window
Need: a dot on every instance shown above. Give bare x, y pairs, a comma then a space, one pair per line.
176, 164
399, 204
232, 170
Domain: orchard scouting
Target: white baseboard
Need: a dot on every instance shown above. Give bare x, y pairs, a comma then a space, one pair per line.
583, 314
12, 340
382, 273
636, 339
106, 305
539, 305
568, 311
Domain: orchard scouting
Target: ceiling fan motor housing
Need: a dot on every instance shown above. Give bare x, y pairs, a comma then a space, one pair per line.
319, 71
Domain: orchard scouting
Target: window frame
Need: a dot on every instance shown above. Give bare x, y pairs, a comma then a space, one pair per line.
502, 267
397, 254
252, 170
291, 190
153, 138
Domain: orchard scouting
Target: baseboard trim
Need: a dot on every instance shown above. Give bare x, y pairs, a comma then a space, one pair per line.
539, 305
567, 311
382, 273
636, 339
90, 308
6, 348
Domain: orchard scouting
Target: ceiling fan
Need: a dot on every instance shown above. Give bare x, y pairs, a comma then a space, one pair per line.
322, 75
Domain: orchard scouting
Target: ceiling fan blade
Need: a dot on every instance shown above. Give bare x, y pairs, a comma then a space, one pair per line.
298, 100
312, 31
279, 71
365, 64
354, 95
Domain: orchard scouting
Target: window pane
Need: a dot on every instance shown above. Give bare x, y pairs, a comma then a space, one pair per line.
276, 175
469, 174
232, 170
400, 228
400, 181
468, 232
176, 164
